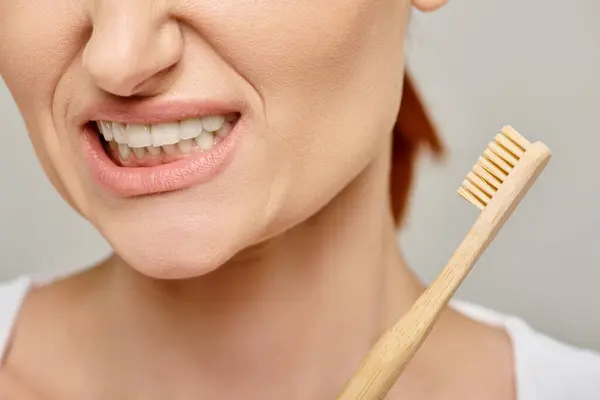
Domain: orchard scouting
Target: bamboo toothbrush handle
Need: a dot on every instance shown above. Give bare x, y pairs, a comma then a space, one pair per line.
390, 355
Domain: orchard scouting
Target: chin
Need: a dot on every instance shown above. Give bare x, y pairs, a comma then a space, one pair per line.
173, 255
180, 244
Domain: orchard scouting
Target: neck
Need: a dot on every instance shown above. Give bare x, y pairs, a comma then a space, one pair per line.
305, 305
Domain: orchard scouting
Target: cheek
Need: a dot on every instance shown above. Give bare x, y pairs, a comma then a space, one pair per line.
40, 37
330, 75
303, 49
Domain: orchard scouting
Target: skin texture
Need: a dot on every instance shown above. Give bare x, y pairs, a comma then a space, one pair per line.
269, 282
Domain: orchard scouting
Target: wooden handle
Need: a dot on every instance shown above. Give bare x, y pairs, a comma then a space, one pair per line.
394, 350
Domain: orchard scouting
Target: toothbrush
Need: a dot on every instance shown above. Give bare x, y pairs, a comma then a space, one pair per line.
496, 185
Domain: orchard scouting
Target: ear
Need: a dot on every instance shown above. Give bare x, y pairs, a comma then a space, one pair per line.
428, 5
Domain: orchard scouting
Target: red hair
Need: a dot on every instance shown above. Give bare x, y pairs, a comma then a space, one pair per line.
414, 128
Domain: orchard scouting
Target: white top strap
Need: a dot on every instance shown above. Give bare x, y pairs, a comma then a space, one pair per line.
12, 294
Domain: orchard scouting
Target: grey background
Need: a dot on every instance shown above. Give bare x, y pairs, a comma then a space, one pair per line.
480, 65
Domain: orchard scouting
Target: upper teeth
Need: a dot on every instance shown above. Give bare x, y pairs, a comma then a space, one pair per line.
138, 136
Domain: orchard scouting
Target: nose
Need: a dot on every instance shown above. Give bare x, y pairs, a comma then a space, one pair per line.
134, 44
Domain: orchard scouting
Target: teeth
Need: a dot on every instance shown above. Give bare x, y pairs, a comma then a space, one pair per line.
138, 136
170, 149
154, 151
205, 141
164, 134
186, 146
124, 151
190, 128
139, 152
119, 132
173, 138
213, 123
106, 130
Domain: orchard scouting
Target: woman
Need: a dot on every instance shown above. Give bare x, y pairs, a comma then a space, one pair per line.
236, 156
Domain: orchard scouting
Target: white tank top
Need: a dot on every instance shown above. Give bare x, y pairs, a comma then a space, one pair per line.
545, 368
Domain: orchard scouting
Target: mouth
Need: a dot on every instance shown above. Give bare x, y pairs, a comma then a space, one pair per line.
133, 158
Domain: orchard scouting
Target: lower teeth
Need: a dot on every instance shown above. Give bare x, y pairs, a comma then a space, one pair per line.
204, 142
154, 151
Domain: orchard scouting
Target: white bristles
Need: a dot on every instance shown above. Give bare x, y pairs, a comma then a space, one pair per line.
493, 167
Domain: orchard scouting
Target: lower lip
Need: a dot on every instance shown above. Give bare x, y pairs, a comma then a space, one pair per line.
195, 169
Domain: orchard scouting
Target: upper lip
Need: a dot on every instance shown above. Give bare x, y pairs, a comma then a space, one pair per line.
155, 112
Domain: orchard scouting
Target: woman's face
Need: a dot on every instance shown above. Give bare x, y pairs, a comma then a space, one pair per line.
224, 122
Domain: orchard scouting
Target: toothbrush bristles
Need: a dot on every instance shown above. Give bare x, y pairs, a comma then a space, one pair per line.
492, 168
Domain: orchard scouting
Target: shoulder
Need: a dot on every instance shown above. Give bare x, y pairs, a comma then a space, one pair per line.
12, 295
545, 368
